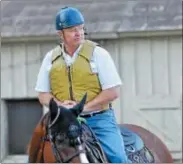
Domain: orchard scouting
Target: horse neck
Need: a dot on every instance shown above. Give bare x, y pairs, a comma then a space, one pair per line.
44, 120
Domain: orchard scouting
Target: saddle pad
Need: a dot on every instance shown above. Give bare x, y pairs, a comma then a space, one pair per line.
132, 141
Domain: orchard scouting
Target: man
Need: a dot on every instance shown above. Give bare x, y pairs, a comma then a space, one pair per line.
78, 66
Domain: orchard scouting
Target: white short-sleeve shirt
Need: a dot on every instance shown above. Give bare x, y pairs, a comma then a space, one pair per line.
101, 63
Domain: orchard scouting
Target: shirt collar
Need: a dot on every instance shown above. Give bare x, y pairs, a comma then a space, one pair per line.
75, 53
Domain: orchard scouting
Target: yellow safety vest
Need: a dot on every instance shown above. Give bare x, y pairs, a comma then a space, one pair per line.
71, 83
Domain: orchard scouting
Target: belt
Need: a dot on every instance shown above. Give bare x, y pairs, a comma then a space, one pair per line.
93, 114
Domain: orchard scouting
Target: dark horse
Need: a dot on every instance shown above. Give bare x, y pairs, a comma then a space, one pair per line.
63, 136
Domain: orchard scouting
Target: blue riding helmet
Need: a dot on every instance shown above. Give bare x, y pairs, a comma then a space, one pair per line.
68, 17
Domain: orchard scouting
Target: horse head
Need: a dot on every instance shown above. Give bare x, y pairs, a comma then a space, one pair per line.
64, 131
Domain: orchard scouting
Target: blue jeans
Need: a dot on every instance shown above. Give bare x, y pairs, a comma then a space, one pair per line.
105, 128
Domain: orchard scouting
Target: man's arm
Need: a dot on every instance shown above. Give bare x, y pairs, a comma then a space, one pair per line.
43, 84
108, 77
103, 98
45, 97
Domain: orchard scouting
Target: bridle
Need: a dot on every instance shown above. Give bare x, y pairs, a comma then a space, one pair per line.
72, 135
57, 154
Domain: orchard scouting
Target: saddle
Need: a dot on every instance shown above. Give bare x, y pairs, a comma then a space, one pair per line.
134, 146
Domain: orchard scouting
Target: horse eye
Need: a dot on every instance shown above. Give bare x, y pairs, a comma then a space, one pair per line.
60, 137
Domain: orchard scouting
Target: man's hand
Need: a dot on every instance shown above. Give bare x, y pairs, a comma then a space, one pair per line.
59, 103
69, 104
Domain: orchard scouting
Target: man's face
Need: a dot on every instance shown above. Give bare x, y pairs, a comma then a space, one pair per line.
74, 36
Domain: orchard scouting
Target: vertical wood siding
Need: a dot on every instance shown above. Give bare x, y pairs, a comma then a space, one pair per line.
150, 68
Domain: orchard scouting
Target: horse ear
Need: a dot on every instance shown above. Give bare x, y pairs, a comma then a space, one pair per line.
76, 110
53, 108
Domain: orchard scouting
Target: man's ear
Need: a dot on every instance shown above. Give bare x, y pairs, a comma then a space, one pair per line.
60, 34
